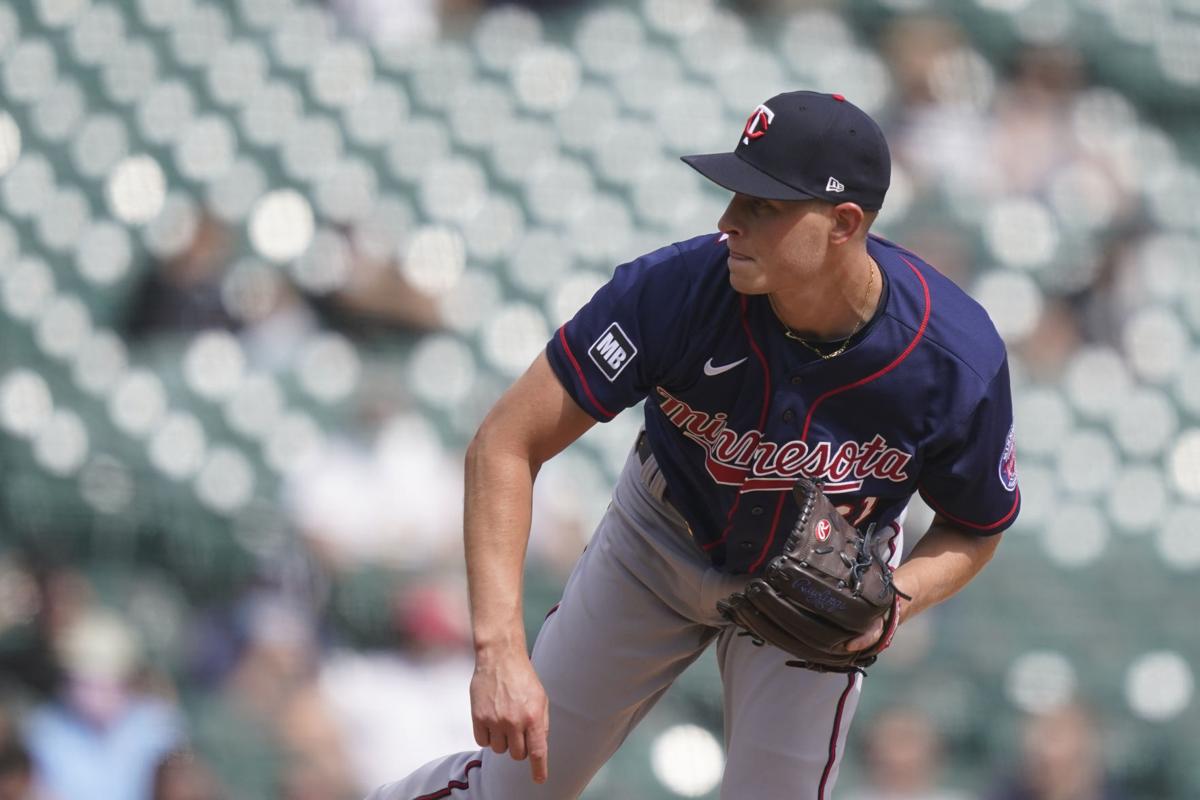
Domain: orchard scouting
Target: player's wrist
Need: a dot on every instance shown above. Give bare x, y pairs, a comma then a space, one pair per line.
498, 646
909, 590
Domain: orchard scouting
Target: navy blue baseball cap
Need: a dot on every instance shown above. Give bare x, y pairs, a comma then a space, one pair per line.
803, 146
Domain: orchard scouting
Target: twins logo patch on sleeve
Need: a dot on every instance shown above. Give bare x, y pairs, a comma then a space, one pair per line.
612, 352
1008, 461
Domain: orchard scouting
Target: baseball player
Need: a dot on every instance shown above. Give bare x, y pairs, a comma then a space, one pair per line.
794, 343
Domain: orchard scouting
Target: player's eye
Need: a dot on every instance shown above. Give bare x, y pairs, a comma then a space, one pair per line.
755, 206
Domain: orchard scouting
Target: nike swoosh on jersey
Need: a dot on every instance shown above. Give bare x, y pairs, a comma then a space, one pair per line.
710, 370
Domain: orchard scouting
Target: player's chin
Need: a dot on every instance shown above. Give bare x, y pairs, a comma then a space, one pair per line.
739, 263
745, 276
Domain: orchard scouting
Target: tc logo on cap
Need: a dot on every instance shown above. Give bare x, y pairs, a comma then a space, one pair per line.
758, 123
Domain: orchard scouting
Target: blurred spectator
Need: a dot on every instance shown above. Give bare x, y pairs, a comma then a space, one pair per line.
340, 284
1032, 118
940, 130
398, 23
183, 293
903, 754
1061, 760
101, 737
16, 767
399, 707
205, 288
395, 499
267, 724
390, 22
28, 614
182, 775
16, 773
1055, 339
375, 296
947, 249
274, 317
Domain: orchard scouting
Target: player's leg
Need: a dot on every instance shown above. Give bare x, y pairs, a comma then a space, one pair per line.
785, 728
452, 775
622, 633
608, 653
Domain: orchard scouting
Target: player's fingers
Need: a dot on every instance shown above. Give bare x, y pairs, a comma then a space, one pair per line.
859, 643
499, 742
535, 740
537, 765
516, 746
481, 733
866, 640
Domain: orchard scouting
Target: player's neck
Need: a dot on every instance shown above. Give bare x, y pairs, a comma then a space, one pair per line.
835, 307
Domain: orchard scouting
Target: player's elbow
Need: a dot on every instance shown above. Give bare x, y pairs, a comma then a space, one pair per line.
497, 441
488, 439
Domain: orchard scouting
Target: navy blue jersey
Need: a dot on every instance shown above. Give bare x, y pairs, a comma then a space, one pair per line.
735, 411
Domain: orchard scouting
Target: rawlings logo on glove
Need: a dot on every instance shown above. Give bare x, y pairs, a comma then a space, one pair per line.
827, 588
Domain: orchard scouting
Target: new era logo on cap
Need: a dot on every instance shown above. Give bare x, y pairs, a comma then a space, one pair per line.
834, 185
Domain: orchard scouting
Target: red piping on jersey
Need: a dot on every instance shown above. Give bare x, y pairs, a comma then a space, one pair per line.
553, 608
908, 350
837, 727
725, 533
771, 536
562, 336
762, 422
450, 787
762, 417
975, 526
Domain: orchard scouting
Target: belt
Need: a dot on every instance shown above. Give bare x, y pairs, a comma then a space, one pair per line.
653, 479
643, 446
651, 474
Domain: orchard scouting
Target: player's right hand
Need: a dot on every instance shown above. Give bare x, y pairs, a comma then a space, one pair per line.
509, 709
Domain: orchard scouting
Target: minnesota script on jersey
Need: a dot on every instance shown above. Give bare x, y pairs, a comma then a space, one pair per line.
735, 411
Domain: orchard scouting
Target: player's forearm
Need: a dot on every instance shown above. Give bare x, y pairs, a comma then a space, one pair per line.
942, 563
531, 423
499, 496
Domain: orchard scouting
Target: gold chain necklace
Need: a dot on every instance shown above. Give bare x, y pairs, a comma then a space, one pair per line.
789, 333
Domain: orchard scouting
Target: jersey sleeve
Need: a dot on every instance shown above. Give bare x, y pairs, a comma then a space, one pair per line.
971, 478
622, 341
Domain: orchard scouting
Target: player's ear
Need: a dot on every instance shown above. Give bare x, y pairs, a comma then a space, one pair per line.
848, 222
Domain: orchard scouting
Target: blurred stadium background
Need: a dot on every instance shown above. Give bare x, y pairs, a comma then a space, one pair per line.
264, 265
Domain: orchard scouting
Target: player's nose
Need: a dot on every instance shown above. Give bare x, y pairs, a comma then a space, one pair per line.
730, 222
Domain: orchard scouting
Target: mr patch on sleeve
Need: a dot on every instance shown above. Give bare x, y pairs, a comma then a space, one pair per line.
612, 351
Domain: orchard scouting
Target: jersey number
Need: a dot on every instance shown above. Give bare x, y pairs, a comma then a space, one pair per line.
859, 511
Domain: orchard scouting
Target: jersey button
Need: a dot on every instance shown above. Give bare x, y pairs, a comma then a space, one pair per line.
756, 511
747, 545
796, 380
789, 415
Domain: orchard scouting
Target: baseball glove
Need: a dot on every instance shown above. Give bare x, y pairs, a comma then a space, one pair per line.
828, 586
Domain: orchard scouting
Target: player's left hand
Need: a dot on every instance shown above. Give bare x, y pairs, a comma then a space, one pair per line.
872, 636
867, 639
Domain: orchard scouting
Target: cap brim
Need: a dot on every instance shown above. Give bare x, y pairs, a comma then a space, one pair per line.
736, 175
